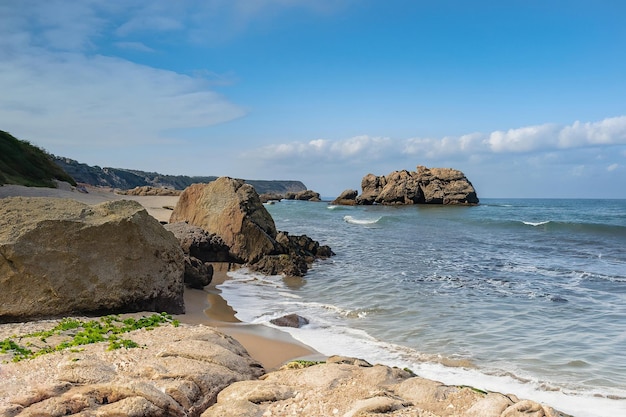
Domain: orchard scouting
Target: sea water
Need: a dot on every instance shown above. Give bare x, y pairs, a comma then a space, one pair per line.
516, 296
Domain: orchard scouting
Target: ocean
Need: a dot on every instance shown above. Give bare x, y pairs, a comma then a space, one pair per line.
513, 295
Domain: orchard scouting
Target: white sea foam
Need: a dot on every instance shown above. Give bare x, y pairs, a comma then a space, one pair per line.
536, 223
330, 333
352, 220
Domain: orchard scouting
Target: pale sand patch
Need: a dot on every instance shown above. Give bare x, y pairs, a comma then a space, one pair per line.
159, 207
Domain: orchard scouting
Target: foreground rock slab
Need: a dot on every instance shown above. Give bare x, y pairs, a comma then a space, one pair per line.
350, 387
176, 371
60, 256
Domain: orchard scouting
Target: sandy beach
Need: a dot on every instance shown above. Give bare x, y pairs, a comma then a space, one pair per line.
269, 346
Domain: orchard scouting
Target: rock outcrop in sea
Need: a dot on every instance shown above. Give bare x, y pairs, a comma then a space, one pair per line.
425, 186
232, 210
60, 256
306, 195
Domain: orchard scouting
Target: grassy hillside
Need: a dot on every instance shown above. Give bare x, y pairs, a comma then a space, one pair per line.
25, 164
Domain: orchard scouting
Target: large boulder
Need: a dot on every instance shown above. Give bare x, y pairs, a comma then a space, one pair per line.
232, 210
346, 198
425, 186
445, 186
60, 256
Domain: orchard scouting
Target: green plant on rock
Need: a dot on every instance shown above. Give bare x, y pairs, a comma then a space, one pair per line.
300, 364
79, 333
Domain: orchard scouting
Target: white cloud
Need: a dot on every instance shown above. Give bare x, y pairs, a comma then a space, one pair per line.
358, 146
473, 146
610, 131
523, 139
447, 146
56, 91
612, 167
72, 99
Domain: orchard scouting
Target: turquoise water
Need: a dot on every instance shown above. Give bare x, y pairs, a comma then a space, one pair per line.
521, 296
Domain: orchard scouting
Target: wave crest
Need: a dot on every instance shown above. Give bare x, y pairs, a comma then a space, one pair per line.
352, 220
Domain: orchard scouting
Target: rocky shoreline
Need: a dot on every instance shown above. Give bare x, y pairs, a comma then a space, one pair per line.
196, 370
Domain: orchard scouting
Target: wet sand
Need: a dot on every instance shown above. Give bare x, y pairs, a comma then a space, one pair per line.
272, 347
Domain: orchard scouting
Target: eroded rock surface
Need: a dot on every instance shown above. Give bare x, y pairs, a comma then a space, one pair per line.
346, 198
176, 371
425, 186
60, 256
353, 388
201, 248
232, 210
306, 195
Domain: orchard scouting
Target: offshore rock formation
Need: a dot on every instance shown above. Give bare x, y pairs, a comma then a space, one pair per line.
425, 186
346, 198
306, 195
232, 210
60, 256
351, 387
176, 371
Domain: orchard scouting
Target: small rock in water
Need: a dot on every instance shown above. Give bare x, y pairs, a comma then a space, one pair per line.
290, 320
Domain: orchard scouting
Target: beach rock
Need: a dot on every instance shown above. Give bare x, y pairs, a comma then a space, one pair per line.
293, 257
178, 371
290, 320
349, 387
346, 198
147, 190
200, 249
425, 186
306, 195
232, 210
266, 197
60, 256
445, 186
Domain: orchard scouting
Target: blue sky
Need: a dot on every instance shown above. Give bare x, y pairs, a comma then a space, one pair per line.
528, 98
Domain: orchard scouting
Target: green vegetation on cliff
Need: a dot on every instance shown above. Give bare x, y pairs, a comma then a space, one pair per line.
25, 164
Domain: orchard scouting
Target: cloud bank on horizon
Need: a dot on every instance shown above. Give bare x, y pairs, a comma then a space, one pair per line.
526, 99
